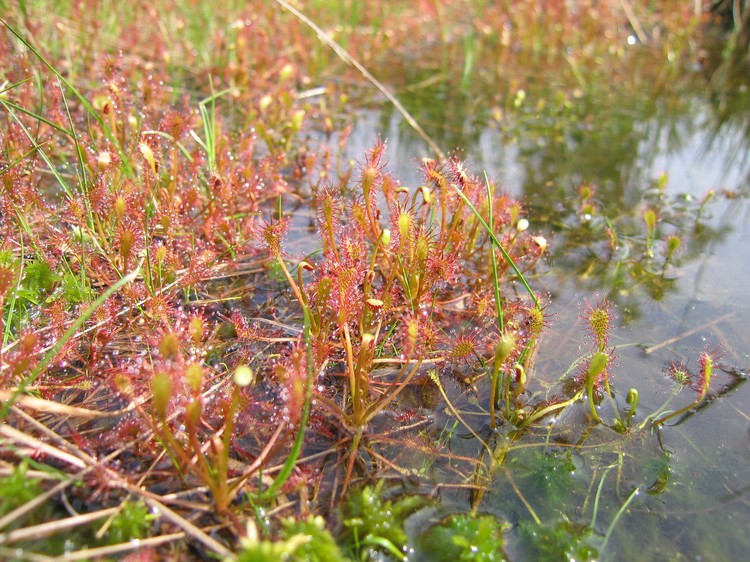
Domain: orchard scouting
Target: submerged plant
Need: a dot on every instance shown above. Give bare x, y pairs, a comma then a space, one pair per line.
558, 542
466, 537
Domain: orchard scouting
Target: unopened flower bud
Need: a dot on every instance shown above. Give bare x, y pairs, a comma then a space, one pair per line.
103, 161
243, 375
264, 103
286, 72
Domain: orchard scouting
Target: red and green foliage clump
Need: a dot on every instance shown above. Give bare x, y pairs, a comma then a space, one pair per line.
172, 337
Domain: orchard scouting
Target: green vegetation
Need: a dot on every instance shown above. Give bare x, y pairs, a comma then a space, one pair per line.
466, 538
230, 331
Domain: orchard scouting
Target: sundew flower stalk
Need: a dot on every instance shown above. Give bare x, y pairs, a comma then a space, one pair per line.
598, 322
390, 257
700, 381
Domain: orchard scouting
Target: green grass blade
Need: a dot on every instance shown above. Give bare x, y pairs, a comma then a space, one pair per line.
497, 243
294, 453
495, 277
79, 153
18, 160
6, 87
89, 108
38, 148
74, 327
38, 117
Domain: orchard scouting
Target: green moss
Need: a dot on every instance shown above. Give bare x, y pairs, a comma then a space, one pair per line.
17, 489
299, 541
372, 523
132, 522
320, 546
466, 538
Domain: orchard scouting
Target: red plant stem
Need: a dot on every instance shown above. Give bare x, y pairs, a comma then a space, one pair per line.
392, 392
661, 420
290, 279
353, 454
256, 464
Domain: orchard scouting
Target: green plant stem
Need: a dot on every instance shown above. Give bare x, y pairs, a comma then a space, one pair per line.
353, 454
493, 396
619, 513
357, 411
498, 306
592, 404
534, 416
292, 283
598, 494
668, 416
497, 243
493, 259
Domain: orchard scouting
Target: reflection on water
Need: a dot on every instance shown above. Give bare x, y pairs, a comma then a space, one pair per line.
677, 147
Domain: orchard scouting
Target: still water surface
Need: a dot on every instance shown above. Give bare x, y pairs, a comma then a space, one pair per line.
690, 483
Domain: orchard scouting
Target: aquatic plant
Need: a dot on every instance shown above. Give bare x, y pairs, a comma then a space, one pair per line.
559, 541
699, 381
167, 367
373, 297
466, 537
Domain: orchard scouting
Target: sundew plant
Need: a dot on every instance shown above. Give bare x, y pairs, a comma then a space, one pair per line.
229, 331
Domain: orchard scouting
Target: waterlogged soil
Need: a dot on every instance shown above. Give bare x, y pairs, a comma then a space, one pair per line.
681, 149
594, 156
